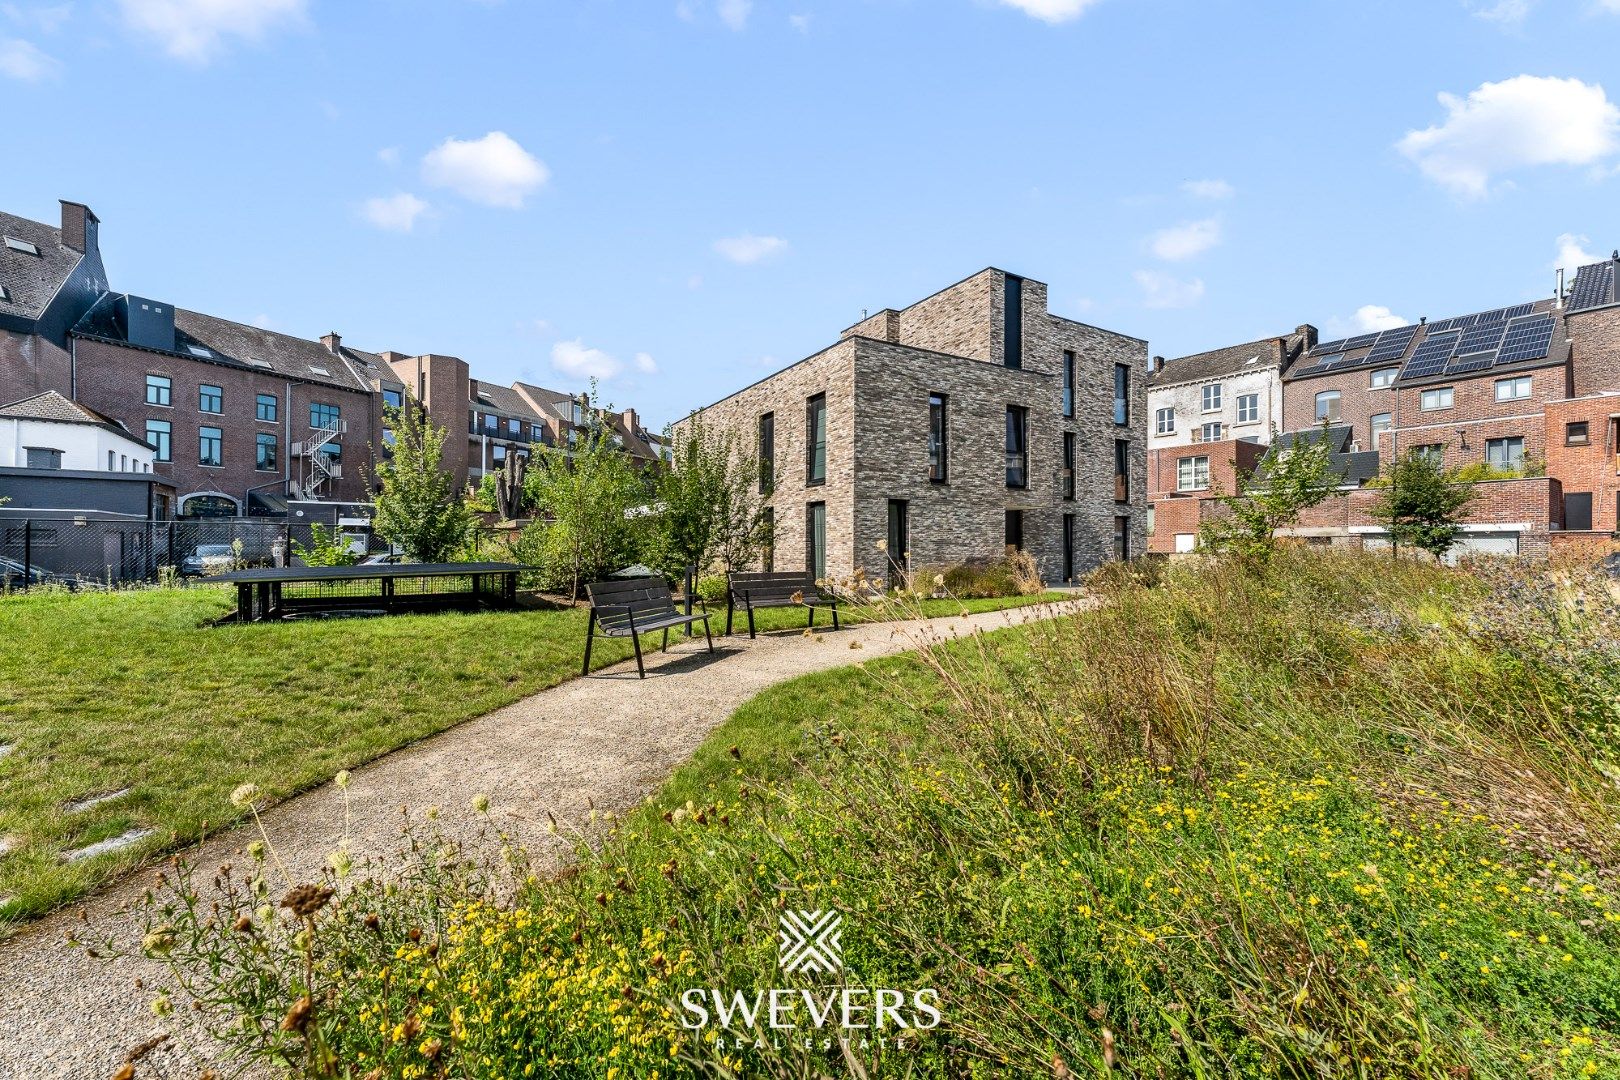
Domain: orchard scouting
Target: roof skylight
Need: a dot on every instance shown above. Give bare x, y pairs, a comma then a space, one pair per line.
317, 369
198, 350
256, 362
21, 245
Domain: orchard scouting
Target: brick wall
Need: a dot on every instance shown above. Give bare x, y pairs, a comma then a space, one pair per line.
1595, 352
29, 365
443, 384
1359, 402
1476, 416
1591, 467
1174, 516
1226, 459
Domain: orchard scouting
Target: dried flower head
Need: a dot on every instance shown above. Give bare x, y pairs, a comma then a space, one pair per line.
305, 900
297, 1017
480, 804
341, 779
243, 797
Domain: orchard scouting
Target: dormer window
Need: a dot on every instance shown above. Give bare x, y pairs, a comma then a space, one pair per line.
21, 246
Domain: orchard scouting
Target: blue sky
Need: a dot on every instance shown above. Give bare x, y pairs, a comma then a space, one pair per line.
682, 196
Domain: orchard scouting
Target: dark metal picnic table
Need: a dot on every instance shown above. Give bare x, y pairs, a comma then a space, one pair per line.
262, 594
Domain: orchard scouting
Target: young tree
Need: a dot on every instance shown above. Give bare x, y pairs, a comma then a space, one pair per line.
590, 493
1421, 505
1289, 480
710, 511
416, 509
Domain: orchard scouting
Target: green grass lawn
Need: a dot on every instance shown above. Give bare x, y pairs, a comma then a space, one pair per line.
133, 690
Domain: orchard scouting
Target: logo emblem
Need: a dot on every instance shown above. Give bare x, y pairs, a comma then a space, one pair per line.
809, 942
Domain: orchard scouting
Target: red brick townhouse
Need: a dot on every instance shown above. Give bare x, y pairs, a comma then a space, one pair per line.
1532, 389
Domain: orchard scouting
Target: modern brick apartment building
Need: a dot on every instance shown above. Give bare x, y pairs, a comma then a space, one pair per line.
970, 422
1532, 389
244, 420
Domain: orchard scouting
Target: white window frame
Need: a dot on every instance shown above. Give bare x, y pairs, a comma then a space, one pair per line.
1512, 386
1336, 397
1248, 408
1450, 393
1204, 431
1209, 393
1382, 378
1196, 476
1164, 421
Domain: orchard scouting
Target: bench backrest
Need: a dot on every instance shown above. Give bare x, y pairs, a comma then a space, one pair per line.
617, 601
772, 586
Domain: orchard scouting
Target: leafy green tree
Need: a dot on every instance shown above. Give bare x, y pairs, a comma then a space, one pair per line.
710, 514
1420, 505
482, 498
326, 548
1288, 481
595, 503
417, 510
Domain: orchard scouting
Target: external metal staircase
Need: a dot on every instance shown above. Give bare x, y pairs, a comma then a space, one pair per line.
318, 471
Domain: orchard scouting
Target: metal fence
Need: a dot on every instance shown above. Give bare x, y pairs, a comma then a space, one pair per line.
76, 550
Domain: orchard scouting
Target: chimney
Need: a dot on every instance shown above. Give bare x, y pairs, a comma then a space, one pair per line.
78, 227
632, 421
333, 342
1309, 333
1155, 364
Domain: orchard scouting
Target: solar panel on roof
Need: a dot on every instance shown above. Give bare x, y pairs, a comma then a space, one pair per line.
1527, 339
1417, 370
1483, 337
1328, 347
1592, 286
1453, 324
1360, 342
1471, 362
1391, 344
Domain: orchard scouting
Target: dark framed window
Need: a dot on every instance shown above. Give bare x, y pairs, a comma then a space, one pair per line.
767, 453
1068, 382
322, 415
1013, 326
1014, 530
1122, 394
267, 407
1122, 538
159, 390
815, 540
767, 540
1068, 548
1435, 452
1122, 470
1577, 511
1577, 433
159, 433
536, 433
498, 452
938, 453
1017, 446
1507, 453
42, 457
264, 452
492, 423
210, 399
394, 398
899, 538
1068, 464
815, 466
210, 446
332, 452
514, 427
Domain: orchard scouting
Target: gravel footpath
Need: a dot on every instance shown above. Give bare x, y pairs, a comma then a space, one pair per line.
607, 740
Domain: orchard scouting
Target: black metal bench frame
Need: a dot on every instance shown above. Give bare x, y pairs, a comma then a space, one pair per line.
632, 607
753, 590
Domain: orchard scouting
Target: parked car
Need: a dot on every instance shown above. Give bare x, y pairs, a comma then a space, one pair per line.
12, 575
384, 558
208, 559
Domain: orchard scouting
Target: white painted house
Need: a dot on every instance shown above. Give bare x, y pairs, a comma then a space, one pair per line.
1232, 393
48, 431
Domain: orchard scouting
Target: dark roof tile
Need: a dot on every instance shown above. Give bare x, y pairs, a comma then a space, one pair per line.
29, 281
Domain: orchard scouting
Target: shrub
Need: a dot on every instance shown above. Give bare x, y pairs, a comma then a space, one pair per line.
977, 579
326, 548
712, 588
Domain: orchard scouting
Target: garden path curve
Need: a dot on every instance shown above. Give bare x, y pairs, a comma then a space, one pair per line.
608, 740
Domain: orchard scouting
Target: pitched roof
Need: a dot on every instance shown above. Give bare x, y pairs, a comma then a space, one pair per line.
1596, 285
53, 407
1233, 360
1354, 465
233, 344
503, 399
29, 281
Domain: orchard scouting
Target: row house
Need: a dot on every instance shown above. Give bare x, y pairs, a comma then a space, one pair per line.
1531, 390
968, 424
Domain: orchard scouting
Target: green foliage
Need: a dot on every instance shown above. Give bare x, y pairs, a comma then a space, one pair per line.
1287, 482
986, 578
326, 548
416, 509
710, 512
595, 501
1420, 506
482, 498
712, 587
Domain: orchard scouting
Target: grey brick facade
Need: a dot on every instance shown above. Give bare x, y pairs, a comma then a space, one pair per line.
878, 380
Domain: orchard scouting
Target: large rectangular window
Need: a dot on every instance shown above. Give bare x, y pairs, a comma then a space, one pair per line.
899, 538
159, 389
1513, 389
1164, 422
322, 415
1327, 407
815, 539
1069, 441
210, 446
1014, 530
1122, 470
1210, 398
264, 458
816, 440
1505, 453
1438, 398
1122, 394
1017, 446
1248, 408
938, 465
158, 433
767, 453
1192, 473
266, 407
1013, 325
210, 399
1068, 382
394, 399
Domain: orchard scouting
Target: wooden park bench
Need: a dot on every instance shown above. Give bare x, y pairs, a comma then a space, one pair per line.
787, 589
632, 607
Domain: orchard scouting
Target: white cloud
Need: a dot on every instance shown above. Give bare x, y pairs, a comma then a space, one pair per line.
734, 13
1572, 253
749, 248
1160, 290
396, 213
801, 23
646, 364
1505, 12
1610, 5
574, 359
1208, 189
1526, 120
1189, 239
494, 170
197, 30
23, 60
1052, 11
1370, 318
389, 155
